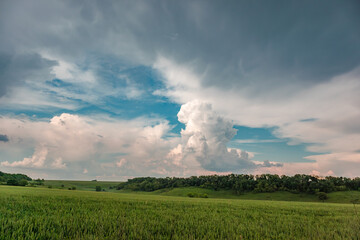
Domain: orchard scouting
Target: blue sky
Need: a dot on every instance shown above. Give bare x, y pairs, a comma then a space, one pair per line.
156, 88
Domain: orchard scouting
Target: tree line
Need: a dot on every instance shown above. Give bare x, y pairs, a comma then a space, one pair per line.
15, 179
241, 183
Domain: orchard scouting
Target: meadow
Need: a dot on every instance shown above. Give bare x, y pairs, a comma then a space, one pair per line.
333, 197
81, 185
44, 213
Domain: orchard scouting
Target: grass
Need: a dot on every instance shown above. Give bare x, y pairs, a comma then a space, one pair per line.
334, 197
81, 185
42, 213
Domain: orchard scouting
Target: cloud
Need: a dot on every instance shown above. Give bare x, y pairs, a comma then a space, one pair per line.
255, 141
71, 143
68, 144
338, 164
205, 139
121, 162
333, 107
268, 164
266, 44
18, 68
4, 138
259, 65
36, 161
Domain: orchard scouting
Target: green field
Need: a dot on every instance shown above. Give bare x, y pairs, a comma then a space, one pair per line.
80, 185
334, 197
43, 213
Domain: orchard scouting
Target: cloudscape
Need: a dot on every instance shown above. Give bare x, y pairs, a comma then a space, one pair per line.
112, 90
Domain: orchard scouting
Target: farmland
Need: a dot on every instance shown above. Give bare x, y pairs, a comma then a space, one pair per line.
44, 213
333, 197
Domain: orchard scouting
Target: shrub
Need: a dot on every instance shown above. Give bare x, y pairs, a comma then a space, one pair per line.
23, 182
39, 181
322, 196
49, 186
190, 194
12, 182
98, 188
203, 195
73, 188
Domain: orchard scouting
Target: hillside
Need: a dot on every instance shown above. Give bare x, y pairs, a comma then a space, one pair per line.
333, 197
43, 213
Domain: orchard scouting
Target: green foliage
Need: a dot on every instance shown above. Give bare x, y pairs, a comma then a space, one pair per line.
341, 188
41, 213
334, 197
14, 179
265, 183
98, 188
322, 196
15, 182
23, 182
81, 185
12, 182
203, 195
190, 194
39, 181
197, 195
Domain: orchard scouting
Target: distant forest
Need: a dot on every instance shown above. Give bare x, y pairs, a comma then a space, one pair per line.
16, 179
299, 183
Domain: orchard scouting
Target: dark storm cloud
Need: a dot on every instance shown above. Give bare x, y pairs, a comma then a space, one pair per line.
237, 42
4, 138
16, 68
241, 42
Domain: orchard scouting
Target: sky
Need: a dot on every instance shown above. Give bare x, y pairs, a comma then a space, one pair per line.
112, 90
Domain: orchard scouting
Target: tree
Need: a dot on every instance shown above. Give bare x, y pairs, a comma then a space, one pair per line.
12, 182
39, 181
98, 188
191, 195
23, 182
322, 196
203, 195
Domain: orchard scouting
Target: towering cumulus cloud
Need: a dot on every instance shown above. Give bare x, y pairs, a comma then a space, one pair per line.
205, 137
